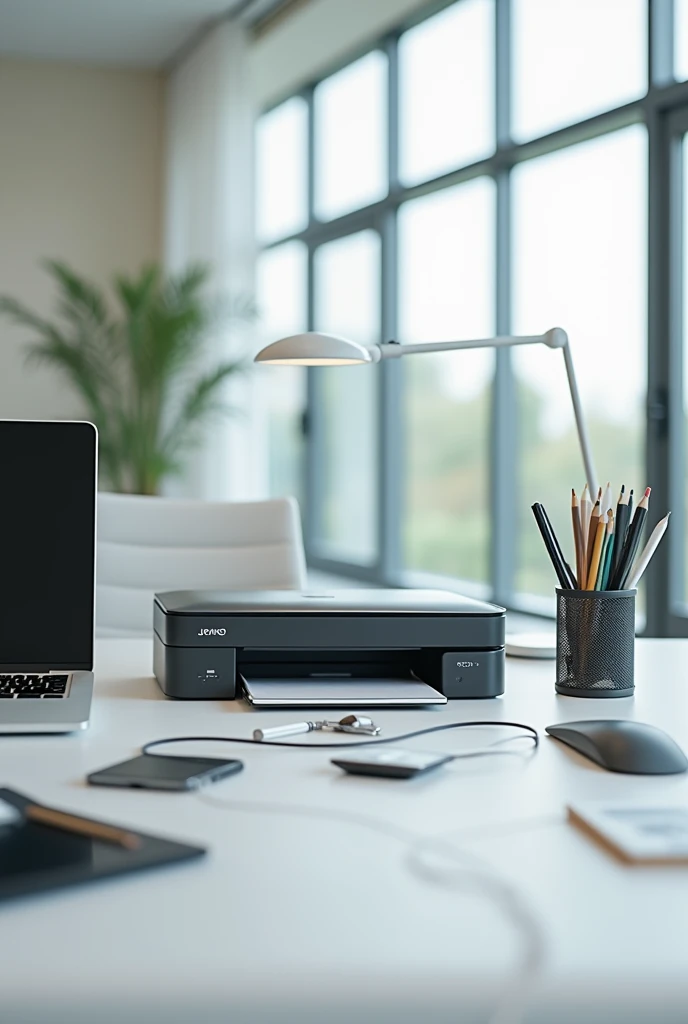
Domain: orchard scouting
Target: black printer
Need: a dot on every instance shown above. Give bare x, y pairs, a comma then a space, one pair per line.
208, 642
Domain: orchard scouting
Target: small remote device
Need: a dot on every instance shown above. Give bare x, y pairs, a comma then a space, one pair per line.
392, 763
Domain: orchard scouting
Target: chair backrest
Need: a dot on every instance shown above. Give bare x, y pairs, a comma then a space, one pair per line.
153, 544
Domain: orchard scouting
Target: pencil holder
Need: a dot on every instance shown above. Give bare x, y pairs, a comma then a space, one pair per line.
595, 642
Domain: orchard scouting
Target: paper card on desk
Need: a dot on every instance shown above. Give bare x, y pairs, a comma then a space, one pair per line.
343, 693
638, 833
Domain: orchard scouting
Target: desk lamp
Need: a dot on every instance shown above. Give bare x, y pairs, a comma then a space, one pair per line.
316, 349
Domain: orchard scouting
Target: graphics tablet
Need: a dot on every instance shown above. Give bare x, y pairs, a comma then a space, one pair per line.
36, 858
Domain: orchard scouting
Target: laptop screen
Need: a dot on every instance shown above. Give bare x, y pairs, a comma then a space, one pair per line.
47, 541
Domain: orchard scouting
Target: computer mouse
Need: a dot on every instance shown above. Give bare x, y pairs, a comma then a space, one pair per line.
623, 746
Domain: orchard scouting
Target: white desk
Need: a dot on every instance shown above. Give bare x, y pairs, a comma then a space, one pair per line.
295, 919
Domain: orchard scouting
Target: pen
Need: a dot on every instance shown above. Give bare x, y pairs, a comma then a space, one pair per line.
647, 552
564, 574
630, 547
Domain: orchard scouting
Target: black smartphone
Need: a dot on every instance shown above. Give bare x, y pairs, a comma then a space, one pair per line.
155, 771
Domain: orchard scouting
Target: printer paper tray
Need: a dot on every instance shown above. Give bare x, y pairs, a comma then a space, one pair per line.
342, 692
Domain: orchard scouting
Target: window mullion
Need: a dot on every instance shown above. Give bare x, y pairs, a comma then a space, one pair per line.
503, 445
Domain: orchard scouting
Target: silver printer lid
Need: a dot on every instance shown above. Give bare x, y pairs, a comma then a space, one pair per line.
352, 602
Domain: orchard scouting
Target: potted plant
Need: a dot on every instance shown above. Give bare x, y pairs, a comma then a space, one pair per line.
140, 364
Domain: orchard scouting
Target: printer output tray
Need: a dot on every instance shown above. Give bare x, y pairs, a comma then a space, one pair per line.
338, 690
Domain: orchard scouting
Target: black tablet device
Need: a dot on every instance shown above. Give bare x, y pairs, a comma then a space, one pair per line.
36, 858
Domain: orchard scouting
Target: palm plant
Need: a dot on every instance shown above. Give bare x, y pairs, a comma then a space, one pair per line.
140, 366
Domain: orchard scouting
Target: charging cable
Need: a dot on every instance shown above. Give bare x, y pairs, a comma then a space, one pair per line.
435, 860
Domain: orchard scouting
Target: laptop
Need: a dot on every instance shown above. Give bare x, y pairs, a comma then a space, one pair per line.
48, 474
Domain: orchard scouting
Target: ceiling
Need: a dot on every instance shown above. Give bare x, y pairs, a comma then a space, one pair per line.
129, 32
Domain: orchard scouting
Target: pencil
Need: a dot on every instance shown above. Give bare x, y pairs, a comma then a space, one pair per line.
647, 553
633, 536
620, 527
592, 536
564, 574
81, 826
608, 539
596, 550
577, 537
585, 512
606, 501
609, 553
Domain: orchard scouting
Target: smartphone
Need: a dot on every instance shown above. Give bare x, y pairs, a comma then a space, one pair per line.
153, 771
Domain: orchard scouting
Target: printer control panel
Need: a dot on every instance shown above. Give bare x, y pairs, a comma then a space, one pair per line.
470, 674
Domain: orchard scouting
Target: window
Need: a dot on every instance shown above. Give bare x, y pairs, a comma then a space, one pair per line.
575, 58
350, 111
347, 302
579, 260
281, 293
446, 290
446, 100
490, 168
282, 183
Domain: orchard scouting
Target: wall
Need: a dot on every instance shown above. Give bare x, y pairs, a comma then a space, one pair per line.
80, 179
309, 41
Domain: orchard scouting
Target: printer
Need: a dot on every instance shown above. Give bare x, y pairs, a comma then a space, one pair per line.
210, 644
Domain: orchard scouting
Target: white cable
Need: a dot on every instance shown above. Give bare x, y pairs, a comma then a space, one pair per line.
465, 872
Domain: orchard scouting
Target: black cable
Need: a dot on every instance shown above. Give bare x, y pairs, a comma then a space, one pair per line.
147, 747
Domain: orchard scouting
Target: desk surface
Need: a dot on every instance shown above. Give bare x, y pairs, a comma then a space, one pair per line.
300, 918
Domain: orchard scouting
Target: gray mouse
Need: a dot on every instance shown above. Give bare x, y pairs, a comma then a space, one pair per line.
622, 746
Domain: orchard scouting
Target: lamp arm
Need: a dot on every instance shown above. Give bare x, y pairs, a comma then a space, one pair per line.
393, 350
583, 437
554, 338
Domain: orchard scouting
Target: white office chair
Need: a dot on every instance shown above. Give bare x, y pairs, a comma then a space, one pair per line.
153, 544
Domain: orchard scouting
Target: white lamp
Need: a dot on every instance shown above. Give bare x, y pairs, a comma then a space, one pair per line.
315, 349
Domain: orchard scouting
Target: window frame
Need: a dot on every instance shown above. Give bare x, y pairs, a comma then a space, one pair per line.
664, 112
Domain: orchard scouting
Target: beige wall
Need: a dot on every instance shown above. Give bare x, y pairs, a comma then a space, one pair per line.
80, 180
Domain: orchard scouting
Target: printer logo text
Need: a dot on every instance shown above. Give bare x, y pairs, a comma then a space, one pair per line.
212, 632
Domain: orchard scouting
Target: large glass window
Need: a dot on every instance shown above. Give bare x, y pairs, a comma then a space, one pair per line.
281, 171
281, 293
347, 302
575, 58
579, 262
350, 110
487, 169
446, 290
446, 99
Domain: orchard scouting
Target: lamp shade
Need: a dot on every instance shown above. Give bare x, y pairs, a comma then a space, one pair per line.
314, 349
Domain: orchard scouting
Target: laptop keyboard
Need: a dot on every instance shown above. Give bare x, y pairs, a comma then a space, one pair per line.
33, 687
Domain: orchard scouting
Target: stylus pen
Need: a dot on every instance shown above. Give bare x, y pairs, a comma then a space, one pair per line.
284, 730
81, 826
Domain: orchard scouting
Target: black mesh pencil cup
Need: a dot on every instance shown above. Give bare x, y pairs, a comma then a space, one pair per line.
595, 642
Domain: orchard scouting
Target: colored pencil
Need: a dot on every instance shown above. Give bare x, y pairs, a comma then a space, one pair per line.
596, 551
577, 536
585, 513
609, 554
592, 536
608, 539
647, 553
620, 527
